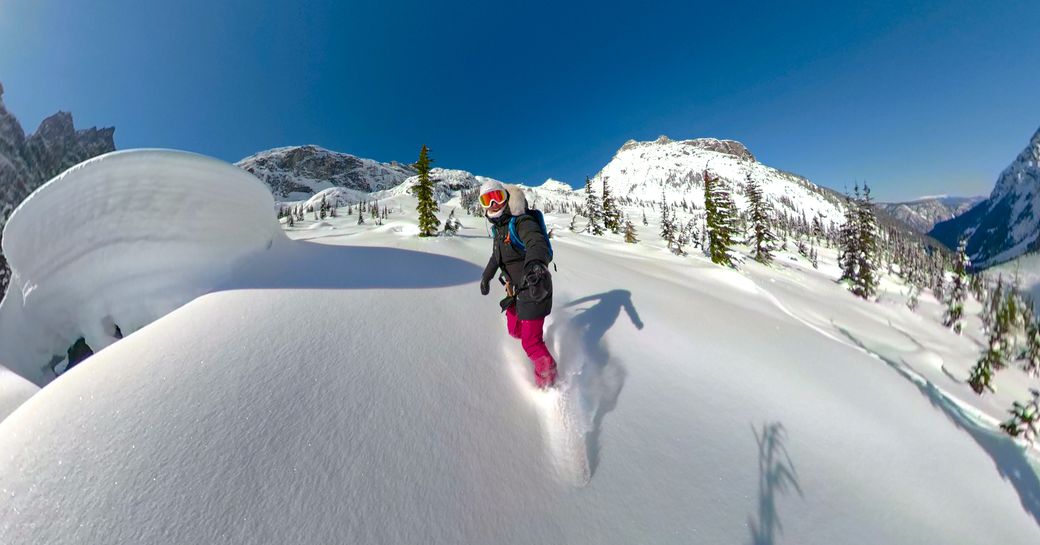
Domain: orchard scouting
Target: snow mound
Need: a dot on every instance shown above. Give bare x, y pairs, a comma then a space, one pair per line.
14, 390
119, 241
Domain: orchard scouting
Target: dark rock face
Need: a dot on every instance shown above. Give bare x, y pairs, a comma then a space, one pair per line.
309, 169
28, 162
1007, 224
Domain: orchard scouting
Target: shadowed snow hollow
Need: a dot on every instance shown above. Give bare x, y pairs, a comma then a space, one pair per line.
121, 240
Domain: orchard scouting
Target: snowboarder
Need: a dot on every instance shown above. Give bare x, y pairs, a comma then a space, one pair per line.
521, 250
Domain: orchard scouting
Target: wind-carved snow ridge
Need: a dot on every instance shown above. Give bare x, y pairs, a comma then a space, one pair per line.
121, 240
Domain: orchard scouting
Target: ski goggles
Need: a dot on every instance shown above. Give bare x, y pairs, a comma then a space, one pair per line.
494, 196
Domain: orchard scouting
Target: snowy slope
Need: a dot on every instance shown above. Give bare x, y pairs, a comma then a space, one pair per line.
1007, 224
118, 241
355, 387
1024, 268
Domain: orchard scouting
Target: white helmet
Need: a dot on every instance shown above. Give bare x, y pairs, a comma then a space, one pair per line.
488, 187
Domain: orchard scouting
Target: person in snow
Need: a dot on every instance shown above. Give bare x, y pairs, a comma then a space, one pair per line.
527, 280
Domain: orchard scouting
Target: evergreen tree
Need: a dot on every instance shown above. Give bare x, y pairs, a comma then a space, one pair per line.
866, 268
427, 207
667, 226
995, 355
574, 223
360, 216
759, 212
630, 232
1025, 418
645, 222
324, 208
1031, 356
611, 213
953, 318
849, 243
592, 209
721, 215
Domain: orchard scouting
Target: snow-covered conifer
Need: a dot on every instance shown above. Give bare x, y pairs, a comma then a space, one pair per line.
953, 317
1025, 418
592, 210
721, 217
630, 232
763, 237
427, 207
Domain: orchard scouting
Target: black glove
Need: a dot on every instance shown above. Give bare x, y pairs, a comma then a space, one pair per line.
485, 286
536, 282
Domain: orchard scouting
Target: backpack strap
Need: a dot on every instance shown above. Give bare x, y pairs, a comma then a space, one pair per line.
514, 237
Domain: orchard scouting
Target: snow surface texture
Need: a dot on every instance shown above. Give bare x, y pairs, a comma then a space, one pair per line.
356, 388
121, 240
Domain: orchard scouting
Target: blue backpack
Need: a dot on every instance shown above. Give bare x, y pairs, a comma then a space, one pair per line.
514, 237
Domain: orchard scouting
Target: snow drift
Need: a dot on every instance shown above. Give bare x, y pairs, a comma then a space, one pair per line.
118, 241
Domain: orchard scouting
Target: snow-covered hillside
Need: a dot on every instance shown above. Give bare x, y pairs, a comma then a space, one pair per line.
1026, 270
922, 214
639, 171
1007, 224
350, 385
297, 172
643, 170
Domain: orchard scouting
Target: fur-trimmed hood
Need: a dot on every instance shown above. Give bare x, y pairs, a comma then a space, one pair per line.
517, 200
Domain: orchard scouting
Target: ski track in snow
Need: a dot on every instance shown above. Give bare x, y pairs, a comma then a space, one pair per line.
565, 423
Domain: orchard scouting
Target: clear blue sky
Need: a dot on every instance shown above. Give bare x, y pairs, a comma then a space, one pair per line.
931, 99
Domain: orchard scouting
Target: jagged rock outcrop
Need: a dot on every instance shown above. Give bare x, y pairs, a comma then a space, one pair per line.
729, 147
27, 162
297, 172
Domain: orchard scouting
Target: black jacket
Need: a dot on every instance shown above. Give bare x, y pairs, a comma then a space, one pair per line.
514, 261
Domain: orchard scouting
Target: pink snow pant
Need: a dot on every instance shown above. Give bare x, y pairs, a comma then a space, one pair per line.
530, 334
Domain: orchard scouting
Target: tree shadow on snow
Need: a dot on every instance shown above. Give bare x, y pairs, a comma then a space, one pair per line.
306, 265
776, 475
1011, 459
585, 358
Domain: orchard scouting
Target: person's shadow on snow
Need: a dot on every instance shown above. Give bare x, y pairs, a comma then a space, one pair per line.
598, 377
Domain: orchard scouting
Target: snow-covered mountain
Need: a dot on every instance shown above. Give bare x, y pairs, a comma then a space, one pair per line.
447, 183
922, 214
639, 171
644, 171
298, 172
344, 383
1007, 224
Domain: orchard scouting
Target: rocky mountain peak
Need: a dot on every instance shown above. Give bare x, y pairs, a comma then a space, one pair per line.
28, 162
728, 147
